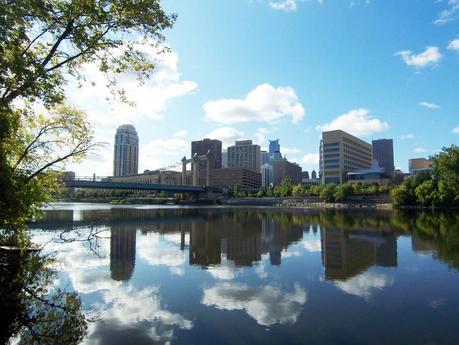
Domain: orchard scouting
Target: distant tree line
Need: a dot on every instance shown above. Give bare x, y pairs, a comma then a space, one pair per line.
326, 192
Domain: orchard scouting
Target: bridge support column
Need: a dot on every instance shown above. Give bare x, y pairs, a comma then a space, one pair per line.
195, 171
209, 167
184, 170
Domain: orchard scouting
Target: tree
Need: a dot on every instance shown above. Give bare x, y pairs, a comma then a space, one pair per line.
342, 192
327, 193
446, 173
285, 187
43, 43
427, 193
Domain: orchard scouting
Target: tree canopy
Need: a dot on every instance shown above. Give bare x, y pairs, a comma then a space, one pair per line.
44, 44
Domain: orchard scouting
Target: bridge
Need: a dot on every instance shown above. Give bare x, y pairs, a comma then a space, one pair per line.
98, 182
80, 183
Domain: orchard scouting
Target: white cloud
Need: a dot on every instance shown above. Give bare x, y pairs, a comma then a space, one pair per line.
227, 270
429, 57
268, 305
358, 122
312, 245
365, 285
419, 150
227, 135
290, 150
456, 130
151, 98
448, 14
429, 105
151, 101
137, 310
310, 158
407, 136
284, 5
160, 153
180, 134
454, 45
265, 103
260, 136
157, 251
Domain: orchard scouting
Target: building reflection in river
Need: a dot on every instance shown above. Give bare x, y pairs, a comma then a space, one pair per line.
242, 237
122, 252
345, 254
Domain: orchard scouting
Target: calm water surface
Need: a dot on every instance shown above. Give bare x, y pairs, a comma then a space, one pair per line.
257, 275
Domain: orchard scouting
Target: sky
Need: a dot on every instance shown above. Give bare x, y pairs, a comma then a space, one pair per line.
289, 69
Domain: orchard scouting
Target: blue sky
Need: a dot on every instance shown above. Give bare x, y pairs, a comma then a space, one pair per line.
260, 69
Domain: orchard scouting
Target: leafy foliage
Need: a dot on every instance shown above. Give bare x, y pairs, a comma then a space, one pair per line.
440, 187
44, 43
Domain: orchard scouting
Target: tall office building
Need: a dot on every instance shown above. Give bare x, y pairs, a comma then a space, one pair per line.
383, 152
201, 147
126, 157
244, 154
266, 175
224, 159
341, 153
264, 157
274, 150
282, 168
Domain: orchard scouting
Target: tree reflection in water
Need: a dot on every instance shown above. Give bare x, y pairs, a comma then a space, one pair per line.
31, 313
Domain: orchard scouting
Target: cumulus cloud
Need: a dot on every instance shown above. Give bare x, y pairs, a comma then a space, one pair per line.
454, 45
133, 315
268, 305
450, 13
265, 103
227, 135
365, 285
150, 99
158, 251
284, 5
407, 136
456, 130
430, 56
358, 122
429, 105
159, 153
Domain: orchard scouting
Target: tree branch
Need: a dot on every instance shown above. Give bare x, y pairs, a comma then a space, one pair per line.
76, 151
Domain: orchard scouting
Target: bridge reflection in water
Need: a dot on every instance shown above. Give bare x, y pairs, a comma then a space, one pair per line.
241, 236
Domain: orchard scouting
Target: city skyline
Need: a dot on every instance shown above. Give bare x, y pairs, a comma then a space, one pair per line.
391, 75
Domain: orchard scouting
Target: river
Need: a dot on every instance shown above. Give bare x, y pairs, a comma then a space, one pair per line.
229, 275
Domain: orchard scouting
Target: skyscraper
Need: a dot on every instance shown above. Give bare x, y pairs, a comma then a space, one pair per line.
264, 157
244, 154
201, 147
383, 152
126, 157
341, 153
274, 150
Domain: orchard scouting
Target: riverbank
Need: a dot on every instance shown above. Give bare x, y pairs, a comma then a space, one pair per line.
377, 202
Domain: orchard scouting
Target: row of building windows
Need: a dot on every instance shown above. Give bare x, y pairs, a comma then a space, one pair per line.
352, 142
352, 150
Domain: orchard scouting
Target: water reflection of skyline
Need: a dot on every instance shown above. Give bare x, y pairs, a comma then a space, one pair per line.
158, 273
239, 236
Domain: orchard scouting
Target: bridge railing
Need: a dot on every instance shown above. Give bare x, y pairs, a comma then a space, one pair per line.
90, 178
